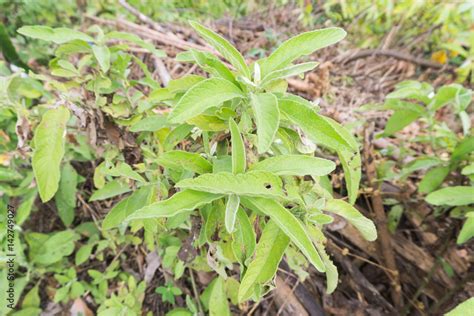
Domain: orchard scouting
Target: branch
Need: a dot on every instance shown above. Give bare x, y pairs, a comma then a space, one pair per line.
349, 57
381, 219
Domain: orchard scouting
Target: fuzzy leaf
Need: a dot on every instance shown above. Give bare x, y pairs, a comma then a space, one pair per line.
102, 54
65, 198
178, 159
301, 45
58, 35
296, 165
228, 51
238, 148
290, 71
332, 275
263, 267
202, 96
219, 306
243, 238
49, 151
111, 189
289, 224
353, 216
186, 200
140, 198
254, 183
267, 117
231, 208
330, 134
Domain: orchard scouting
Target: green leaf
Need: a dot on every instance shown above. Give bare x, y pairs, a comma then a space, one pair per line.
58, 35
353, 216
228, 51
452, 196
102, 54
186, 200
296, 165
135, 40
111, 189
202, 96
351, 164
467, 230
433, 179
231, 208
83, 254
8, 50
243, 238
332, 275
290, 71
463, 309
125, 170
454, 94
253, 183
420, 164
317, 127
267, 117
49, 151
208, 62
330, 134
219, 305
399, 120
301, 45
289, 224
263, 267
465, 147
411, 89
140, 198
65, 198
32, 298
179, 160
238, 148
55, 247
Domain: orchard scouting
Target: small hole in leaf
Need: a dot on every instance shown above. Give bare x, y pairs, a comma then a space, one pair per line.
268, 186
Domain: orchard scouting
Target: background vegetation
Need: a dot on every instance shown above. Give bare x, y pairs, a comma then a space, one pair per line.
119, 118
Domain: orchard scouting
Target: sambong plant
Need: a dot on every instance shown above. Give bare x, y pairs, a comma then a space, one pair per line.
225, 159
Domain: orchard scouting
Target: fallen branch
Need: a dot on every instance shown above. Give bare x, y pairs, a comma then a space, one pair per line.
351, 56
381, 219
149, 33
360, 281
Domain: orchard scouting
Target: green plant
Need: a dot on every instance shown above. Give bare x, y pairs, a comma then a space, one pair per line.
168, 292
222, 159
450, 152
463, 50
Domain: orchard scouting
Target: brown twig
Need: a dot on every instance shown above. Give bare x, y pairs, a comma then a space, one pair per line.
142, 17
429, 277
146, 32
360, 281
351, 56
381, 219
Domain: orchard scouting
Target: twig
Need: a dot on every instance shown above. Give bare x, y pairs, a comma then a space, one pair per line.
349, 57
195, 291
363, 285
142, 17
162, 71
146, 32
434, 309
427, 279
380, 218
